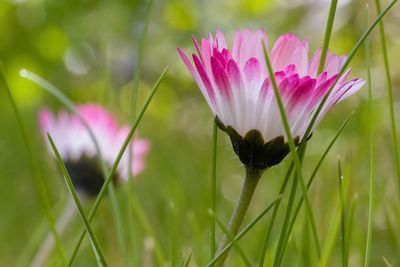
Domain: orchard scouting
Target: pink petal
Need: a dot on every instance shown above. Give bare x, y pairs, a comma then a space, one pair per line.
234, 75
205, 79
221, 79
252, 71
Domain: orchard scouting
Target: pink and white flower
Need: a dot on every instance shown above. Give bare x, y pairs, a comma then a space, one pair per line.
78, 150
237, 88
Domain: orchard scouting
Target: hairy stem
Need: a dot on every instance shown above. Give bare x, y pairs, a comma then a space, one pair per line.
249, 185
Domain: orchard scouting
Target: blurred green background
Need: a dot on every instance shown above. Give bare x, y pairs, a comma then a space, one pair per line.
89, 49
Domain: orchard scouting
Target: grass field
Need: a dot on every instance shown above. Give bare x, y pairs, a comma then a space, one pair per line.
102, 51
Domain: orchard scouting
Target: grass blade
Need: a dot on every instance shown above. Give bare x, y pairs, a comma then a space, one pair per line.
39, 182
315, 171
372, 145
292, 147
230, 237
115, 164
69, 104
328, 33
99, 254
390, 94
243, 232
342, 217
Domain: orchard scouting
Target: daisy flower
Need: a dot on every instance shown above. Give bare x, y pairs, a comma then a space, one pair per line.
236, 85
78, 150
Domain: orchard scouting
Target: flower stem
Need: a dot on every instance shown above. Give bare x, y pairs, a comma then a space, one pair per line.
249, 185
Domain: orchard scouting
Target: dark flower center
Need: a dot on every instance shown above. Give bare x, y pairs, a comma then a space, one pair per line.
252, 150
86, 175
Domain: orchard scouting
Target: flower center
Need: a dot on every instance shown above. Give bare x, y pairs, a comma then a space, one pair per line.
86, 175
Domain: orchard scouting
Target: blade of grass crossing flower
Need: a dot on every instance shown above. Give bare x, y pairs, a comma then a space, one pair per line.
213, 188
243, 232
221, 225
343, 235
390, 94
99, 254
40, 186
345, 65
116, 162
69, 104
292, 147
314, 173
328, 33
371, 145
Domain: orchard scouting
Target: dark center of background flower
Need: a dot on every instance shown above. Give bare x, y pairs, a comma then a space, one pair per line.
86, 175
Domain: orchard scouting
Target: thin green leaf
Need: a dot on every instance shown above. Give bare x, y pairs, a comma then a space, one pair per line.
148, 228
371, 144
97, 250
230, 237
115, 164
40, 186
69, 104
293, 151
342, 217
316, 168
328, 33
243, 232
186, 261
382, 36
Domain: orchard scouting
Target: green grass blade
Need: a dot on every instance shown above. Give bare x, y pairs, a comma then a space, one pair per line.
40, 186
243, 232
133, 104
371, 147
213, 188
172, 235
342, 216
186, 260
316, 168
115, 164
230, 237
328, 33
292, 147
69, 104
343, 69
390, 93
139, 63
147, 227
273, 217
97, 250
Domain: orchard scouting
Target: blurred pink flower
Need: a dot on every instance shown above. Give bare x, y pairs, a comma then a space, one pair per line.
236, 85
77, 148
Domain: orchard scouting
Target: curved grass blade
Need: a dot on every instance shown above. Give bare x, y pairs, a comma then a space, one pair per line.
39, 183
96, 248
230, 237
243, 232
69, 104
115, 164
